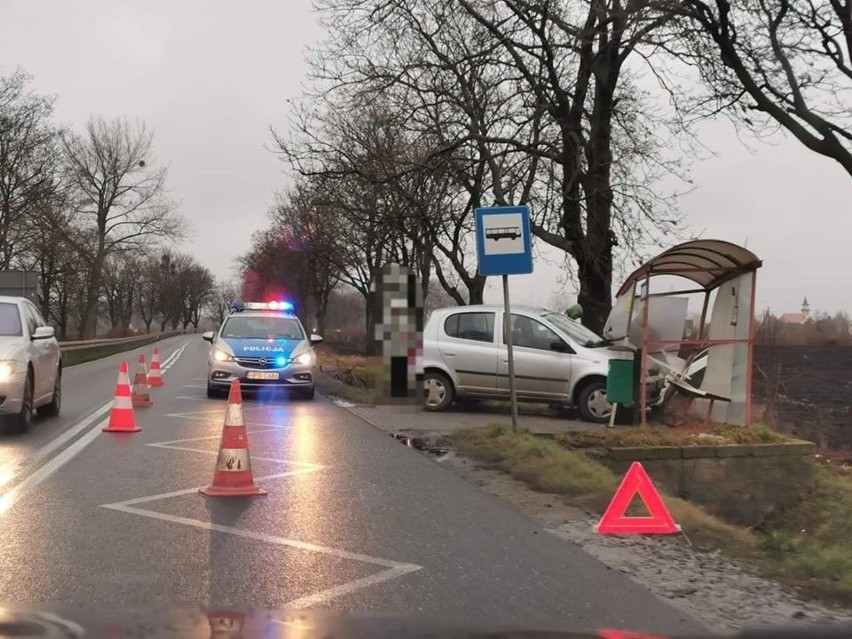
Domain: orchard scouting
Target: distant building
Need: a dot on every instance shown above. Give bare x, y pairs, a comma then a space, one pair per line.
802, 317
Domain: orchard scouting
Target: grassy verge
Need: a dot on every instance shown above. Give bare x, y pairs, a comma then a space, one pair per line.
664, 436
815, 557
343, 375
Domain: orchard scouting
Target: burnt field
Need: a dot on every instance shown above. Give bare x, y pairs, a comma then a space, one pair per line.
814, 398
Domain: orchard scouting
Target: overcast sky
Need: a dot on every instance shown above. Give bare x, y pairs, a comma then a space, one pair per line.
211, 76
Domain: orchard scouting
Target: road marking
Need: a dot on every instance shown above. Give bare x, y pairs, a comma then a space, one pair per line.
14, 494
393, 569
171, 446
11, 497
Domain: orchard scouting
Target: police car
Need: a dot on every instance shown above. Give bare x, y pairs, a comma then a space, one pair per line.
262, 344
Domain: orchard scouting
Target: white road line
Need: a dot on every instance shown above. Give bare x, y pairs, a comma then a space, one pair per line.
55, 443
11, 497
393, 569
14, 494
350, 587
257, 536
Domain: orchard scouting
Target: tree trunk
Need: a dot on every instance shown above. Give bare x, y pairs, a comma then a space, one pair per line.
476, 289
89, 318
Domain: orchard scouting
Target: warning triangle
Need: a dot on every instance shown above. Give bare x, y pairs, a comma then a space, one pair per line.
614, 521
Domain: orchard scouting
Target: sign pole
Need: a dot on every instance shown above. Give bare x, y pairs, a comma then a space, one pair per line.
507, 331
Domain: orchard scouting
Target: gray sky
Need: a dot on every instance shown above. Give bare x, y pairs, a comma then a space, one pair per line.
212, 76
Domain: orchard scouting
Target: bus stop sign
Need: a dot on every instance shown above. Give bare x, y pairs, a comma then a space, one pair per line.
503, 242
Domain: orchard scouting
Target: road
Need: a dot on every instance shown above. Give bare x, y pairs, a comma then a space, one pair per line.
353, 520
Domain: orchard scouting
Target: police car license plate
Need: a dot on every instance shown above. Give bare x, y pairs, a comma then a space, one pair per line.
261, 375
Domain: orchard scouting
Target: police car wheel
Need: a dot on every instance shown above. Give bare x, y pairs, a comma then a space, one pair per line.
213, 392
306, 393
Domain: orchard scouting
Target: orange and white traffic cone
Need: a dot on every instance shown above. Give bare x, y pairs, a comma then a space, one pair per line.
232, 476
155, 377
226, 625
121, 418
141, 395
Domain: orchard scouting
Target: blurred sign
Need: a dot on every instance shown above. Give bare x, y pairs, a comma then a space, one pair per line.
395, 342
503, 241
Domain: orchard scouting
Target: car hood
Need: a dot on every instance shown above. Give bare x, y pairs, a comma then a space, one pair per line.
69, 621
241, 347
11, 347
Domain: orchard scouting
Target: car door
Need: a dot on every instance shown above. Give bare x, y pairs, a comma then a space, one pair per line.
467, 346
42, 354
542, 361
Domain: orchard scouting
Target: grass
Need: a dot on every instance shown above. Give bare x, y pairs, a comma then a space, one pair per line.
807, 547
662, 436
343, 375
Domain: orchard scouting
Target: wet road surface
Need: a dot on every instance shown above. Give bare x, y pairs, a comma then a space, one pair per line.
353, 520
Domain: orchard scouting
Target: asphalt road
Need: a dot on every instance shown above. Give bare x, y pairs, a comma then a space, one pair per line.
353, 520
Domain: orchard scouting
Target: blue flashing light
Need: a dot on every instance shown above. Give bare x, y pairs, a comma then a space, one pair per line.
270, 306
281, 361
237, 306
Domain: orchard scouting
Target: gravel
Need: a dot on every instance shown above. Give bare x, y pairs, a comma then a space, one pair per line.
726, 596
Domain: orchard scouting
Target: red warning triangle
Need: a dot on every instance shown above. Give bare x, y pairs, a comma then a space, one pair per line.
614, 522
625, 634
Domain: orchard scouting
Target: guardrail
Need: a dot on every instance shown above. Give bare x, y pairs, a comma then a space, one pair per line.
87, 350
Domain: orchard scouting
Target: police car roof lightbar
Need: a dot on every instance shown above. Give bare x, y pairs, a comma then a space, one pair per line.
237, 306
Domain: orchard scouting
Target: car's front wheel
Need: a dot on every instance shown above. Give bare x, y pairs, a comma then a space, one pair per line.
52, 409
593, 403
306, 393
21, 422
213, 392
439, 391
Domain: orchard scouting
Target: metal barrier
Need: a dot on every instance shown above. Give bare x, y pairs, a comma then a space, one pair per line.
87, 350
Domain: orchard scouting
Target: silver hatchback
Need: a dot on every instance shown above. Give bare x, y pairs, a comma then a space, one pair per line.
557, 360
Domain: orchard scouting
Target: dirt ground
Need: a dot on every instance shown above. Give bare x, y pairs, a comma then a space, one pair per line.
815, 391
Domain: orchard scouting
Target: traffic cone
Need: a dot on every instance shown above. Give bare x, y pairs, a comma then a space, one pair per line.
155, 377
141, 395
232, 476
121, 418
226, 625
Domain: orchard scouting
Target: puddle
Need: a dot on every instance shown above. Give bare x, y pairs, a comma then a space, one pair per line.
427, 445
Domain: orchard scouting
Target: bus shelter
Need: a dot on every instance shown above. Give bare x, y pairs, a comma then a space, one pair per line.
722, 338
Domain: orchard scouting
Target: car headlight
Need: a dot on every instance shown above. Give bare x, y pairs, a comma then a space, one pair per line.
222, 356
305, 358
7, 369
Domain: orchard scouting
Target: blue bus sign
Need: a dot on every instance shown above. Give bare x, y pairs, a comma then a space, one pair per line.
503, 242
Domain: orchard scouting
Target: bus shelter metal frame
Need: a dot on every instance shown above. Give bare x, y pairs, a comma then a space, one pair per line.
689, 260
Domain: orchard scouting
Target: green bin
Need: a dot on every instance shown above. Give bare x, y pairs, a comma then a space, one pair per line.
619, 381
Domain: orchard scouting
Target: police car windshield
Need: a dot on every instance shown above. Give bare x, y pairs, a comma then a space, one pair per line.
262, 327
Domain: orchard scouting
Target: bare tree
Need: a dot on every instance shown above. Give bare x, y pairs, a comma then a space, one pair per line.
119, 198
526, 102
121, 287
197, 286
29, 160
219, 304
782, 62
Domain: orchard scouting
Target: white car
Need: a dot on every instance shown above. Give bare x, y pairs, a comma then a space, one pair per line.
557, 360
30, 365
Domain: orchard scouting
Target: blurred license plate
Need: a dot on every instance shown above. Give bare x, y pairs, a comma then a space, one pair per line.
259, 375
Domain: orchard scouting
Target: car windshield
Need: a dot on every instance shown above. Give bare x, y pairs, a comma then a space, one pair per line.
10, 319
262, 327
576, 331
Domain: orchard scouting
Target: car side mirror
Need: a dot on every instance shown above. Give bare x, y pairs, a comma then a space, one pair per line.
208, 336
44, 332
315, 339
559, 346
